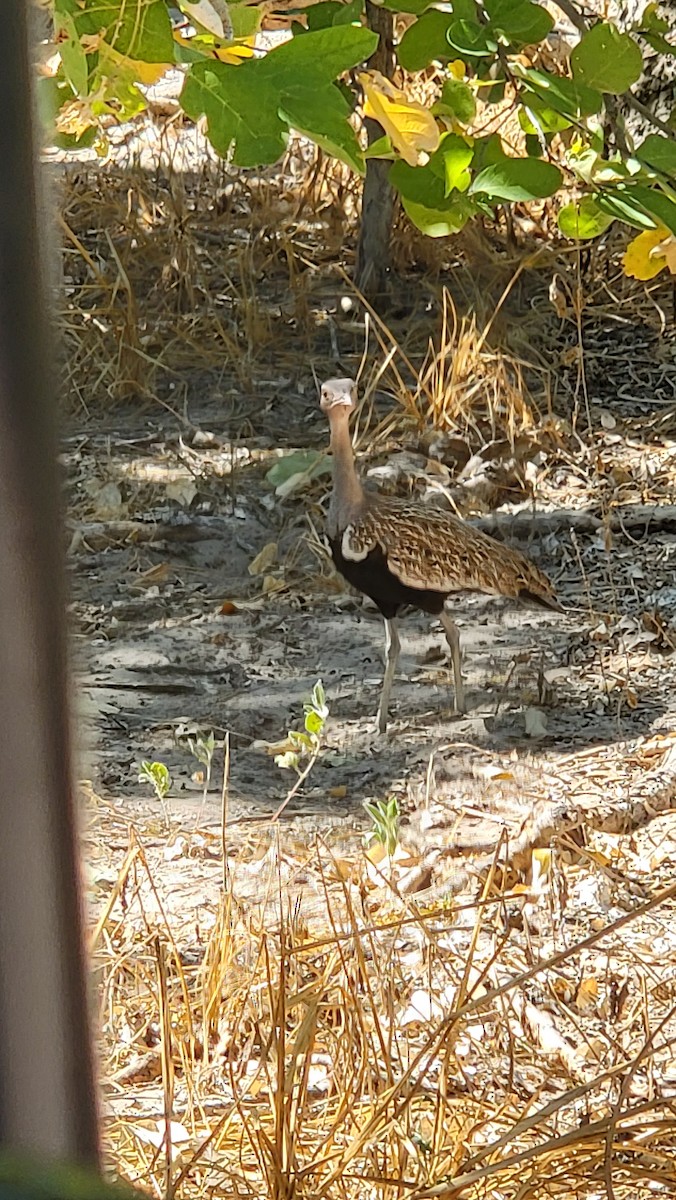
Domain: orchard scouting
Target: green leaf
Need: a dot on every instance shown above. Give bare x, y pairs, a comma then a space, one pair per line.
657, 205
583, 219
319, 699
240, 106
407, 6
249, 108
381, 148
331, 12
566, 96
606, 59
421, 185
518, 179
300, 740
246, 20
440, 222
458, 100
471, 40
488, 150
301, 462
653, 27
423, 195
451, 162
425, 40
658, 152
520, 22
623, 206
320, 111
73, 57
327, 52
465, 10
138, 29
535, 148
536, 117
313, 723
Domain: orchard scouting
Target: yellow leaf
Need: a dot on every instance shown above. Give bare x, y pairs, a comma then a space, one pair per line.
264, 559
411, 127
143, 72
235, 52
272, 584
587, 994
643, 258
376, 853
456, 69
667, 251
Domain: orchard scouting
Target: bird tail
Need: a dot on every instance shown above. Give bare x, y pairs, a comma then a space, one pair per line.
540, 599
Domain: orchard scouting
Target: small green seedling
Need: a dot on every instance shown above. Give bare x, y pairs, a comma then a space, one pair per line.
157, 775
306, 745
385, 816
202, 747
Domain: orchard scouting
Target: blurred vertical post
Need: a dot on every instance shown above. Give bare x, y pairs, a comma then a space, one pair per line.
47, 1097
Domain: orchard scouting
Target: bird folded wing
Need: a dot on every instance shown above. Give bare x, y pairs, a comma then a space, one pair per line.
435, 551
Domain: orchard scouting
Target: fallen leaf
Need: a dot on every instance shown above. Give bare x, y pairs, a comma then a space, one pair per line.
587, 994
183, 491
155, 575
272, 747
176, 850
264, 559
558, 296
541, 868
228, 609
106, 500
142, 1069
292, 470
535, 723
271, 583
157, 1137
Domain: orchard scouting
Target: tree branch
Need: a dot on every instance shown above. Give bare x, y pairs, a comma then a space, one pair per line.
648, 116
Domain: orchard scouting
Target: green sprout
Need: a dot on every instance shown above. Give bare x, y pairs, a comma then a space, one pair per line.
157, 775
306, 745
202, 747
385, 816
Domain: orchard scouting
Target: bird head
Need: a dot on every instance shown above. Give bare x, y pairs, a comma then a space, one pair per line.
338, 394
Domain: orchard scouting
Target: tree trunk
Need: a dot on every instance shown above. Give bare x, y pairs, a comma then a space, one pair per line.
373, 248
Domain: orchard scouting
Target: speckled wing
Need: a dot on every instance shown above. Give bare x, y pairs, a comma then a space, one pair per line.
432, 550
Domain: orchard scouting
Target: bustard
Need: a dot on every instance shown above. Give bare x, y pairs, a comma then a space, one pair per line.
406, 554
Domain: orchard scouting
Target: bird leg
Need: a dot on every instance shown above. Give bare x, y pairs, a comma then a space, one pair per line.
392, 647
453, 639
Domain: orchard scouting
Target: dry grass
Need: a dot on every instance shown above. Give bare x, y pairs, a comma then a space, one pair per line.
170, 284
347, 1043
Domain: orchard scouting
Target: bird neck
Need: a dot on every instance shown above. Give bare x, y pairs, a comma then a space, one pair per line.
348, 493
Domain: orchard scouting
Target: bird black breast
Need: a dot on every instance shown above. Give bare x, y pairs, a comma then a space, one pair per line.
373, 577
